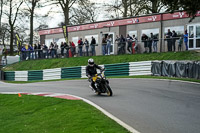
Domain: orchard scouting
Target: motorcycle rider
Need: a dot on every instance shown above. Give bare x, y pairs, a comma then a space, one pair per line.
91, 70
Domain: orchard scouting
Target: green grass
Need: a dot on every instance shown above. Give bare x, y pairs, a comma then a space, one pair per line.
36, 114
82, 61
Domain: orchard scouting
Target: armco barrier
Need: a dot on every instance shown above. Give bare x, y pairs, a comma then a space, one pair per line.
35, 75
71, 72
21, 75
51, 74
121, 69
9, 76
140, 68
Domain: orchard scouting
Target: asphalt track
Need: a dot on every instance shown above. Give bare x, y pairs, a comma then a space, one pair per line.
148, 105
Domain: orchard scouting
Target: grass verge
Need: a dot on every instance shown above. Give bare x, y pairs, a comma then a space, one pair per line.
112, 59
32, 114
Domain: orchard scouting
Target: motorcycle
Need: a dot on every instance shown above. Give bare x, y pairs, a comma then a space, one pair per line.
102, 84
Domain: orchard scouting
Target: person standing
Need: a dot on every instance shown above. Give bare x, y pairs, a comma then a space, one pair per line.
55, 49
109, 40
180, 42
62, 47
186, 40
45, 51
129, 40
150, 42
36, 51
123, 44
51, 48
30, 49
104, 43
86, 43
39, 51
23, 51
174, 37
145, 40
66, 46
73, 48
117, 41
169, 40
80, 46
154, 43
92, 44
135, 44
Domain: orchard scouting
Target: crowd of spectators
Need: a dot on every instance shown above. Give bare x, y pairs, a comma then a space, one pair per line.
128, 44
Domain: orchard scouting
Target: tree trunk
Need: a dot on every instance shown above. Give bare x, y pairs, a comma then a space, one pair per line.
154, 6
125, 8
11, 39
31, 27
1, 12
66, 14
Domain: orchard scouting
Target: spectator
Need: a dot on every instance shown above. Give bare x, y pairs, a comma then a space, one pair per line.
145, 39
174, 37
154, 43
150, 42
123, 44
39, 51
55, 49
180, 42
186, 40
66, 46
30, 49
73, 48
36, 51
169, 40
117, 41
80, 46
86, 43
62, 47
109, 40
104, 43
45, 51
136, 44
92, 44
129, 40
51, 50
23, 50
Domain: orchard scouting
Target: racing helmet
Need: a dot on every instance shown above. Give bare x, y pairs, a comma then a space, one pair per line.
91, 61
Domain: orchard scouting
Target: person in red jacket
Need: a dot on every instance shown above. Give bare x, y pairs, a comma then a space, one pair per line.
80, 46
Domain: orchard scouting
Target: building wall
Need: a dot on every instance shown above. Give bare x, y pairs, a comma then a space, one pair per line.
162, 46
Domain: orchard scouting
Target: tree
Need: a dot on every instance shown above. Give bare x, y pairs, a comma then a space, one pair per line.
65, 5
152, 6
126, 8
1, 11
85, 13
2, 3
4, 32
191, 7
31, 6
13, 7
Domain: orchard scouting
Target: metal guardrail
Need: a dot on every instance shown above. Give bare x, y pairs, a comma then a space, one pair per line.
120, 69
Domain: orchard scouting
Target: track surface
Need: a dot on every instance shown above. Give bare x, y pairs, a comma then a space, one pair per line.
149, 106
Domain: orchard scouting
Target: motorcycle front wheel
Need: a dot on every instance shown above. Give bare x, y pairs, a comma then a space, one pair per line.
108, 90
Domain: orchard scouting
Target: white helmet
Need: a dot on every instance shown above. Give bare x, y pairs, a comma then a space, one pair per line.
90, 61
